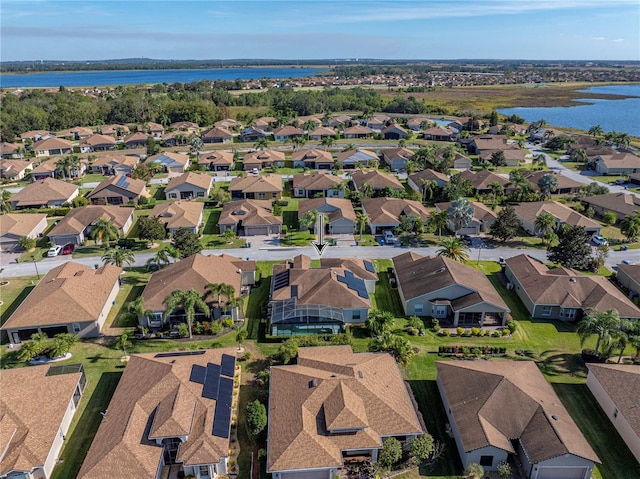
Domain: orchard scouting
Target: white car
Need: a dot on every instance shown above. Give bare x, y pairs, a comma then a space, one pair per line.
628, 261
599, 240
54, 251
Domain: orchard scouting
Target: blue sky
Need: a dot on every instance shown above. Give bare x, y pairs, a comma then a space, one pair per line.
310, 29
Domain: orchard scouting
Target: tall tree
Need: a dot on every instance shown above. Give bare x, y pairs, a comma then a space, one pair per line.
498, 158
261, 144
151, 228
596, 131
506, 225
186, 242
630, 226
539, 161
454, 248
118, 256
572, 250
196, 146
219, 290
5, 204
438, 220
362, 220
601, 323
135, 309
460, 214
379, 322
548, 184
188, 301
497, 191
545, 222
103, 231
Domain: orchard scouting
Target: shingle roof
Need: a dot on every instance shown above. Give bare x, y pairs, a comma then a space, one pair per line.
340, 207
193, 272
201, 180
114, 160
179, 214
332, 387
69, 293
42, 191
288, 130
121, 182
137, 137
11, 168
477, 395
393, 153
377, 179
569, 288
419, 275
389, 210
421, 177
98, 139
168, 158
312, 155
216, 158
48, 166
323, 131
620, 160
78, 219
263, 156
250, 212
480, 211
257, 184
620, 203
358, 130
356, 265
155, 397
315, 181
483, 178
622, 383
564, 182
217, 132
29, 423
357, 155
52, 144
20, 224
531, 210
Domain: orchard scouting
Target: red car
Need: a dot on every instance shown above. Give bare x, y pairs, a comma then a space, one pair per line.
68, 248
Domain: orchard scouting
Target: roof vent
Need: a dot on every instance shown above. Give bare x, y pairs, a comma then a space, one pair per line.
572, 280
313, 383
554, 417
334, 376
360, 375
441, 270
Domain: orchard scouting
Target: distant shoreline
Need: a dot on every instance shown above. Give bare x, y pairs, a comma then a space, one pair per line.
26, 73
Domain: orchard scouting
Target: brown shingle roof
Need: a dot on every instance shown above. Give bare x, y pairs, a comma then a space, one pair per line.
155, 397
52, 144
179, 214
569, 288
622, 383
168, 158
97, 139
377, 179
620, 203
323, 131
288, 130
480, 211
69, 293
79, 218
483, 178
355, 265
564, 182
358, 155
11, 168
216, 158
201, 180
620, 160
46, 166
333, 387
20, 224
421, 177
257, 184
193, 272
389, 210
315, 181
43, 191
392, 153
114, 160
137, 187
530, 211
29, 423
264, 156
312, 155
358, 130
250, 212
342, 208
137, 137
477, 394
217, 132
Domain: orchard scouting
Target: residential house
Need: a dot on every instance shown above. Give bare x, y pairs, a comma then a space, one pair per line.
634, 178
97, 142
385, 213
287, 133
71, 298
118, 190
362, 268
482, 180
16, 226
250, 218
619, 163
256, 187
34, 427
322, 132
115, 165
339, 213
312, 185
180, 214
417, 181
76, 226
80, 133
528, 212
252, 134
448, 291
172, 163
36, 135
216, 160
170, 413
357, 132
228, 124
357, 158
615, 387
47, 193
326, 411
339, 121
306, 300
217, 135
46, 169
136, 140
195, 272
397, 158
156, 130
439, 133
539, 431
418, 123
266, 123
563, 293
487, 143
176, 138
52, 146
188, 127
394, 132
566, 185
483, 218
114, 130
378, 181
621, 204
312, 158
310, 119
378, 122
628, 275
513, 156
263, 159
11, 150
461, 162
15, 169
188, 186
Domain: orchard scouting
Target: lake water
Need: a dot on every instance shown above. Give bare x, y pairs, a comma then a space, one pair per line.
618, 115
134, 77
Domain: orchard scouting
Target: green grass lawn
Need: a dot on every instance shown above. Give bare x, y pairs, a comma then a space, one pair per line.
297, 238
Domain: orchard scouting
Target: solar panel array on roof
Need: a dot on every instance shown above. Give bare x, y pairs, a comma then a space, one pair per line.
228, 365
222, 415
122, 182
198, 374
181, 353
211, 382
354, 283
368, 265
360, 156
281, 279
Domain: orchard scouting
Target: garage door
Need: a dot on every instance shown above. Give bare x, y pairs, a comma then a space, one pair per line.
562, 473
53, 330
342, 229
256, 230
307, 475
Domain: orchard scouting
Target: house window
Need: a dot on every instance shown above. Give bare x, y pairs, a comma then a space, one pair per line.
76, 327
299, 192
173, 196
356, 314
261, 196
200, 194
203, 472
546, 311
418, 308
570, 313
486, 461
441, 311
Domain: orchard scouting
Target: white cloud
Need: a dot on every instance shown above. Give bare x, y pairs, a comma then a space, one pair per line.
597, 38
618, 40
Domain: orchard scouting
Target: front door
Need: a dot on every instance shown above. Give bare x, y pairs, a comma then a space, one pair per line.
16, 337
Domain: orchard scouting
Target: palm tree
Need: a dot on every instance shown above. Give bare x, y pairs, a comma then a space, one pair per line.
118, 256
327, 142
103, 230
220, 289
455, 249
579, 154
539, 161
162, 257
545, 222
601, 323
135, 309
547, 184
308, 220
123, 343
188, 301
367, 190
630, 226
298, 142
261, 144
362, 219
595, 131
196, 146
497, 190
438, 220
460, 214
428, 188
62, 344
67, 164
5, 204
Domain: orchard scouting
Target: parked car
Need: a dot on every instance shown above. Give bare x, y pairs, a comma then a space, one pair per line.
388, 237
54, 251
68, 248
599, 240
620, 181
628, 261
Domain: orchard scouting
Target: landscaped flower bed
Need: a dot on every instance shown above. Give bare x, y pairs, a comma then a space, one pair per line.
471, 351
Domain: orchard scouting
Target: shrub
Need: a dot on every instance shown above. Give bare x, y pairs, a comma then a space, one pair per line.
390, 453
198, 328
474, 471
413, 331
216, 327
256, 419
512, 325
446, 332
475, 331
497, 333
436, 328
227, 322
247, 355
467, 332
206, 327
183, 330
27, 243
434, 323
415, 322
459, 331
504, 470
